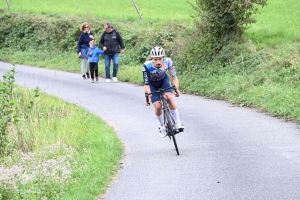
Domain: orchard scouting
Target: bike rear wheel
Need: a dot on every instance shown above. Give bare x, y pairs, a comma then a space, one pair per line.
169, 124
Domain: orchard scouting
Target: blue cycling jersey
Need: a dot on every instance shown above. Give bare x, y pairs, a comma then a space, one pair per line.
153, 74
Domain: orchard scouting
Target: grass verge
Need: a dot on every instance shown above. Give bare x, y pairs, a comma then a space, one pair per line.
73, 154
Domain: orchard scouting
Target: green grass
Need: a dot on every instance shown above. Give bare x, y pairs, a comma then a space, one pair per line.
277, 24
52, 122
113, 9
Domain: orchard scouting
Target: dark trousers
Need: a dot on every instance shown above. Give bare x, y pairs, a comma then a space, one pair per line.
93, 69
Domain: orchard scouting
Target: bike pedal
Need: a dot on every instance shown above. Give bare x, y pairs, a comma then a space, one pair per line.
180, 130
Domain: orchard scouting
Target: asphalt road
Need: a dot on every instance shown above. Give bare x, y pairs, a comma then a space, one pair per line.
226, 152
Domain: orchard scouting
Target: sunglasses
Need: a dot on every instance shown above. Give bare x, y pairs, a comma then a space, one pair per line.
86, 27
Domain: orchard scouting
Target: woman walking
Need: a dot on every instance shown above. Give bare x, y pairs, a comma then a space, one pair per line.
82, 48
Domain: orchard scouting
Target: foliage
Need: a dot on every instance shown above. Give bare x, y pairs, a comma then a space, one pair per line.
11, 115
34, 33
42, 174
64, 152
140, 42
6, 108
30, 32
220, 22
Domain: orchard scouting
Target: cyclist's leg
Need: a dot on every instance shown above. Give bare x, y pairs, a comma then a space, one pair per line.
172, 104
158, 112
168, 93
155, 99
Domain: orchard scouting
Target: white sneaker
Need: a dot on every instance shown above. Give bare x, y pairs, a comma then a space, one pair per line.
107, 80
179, 127
115, 79
162, 131
92, 80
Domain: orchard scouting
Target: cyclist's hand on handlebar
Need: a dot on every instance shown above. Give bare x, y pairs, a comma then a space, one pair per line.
148, 99
146, 103
177, 94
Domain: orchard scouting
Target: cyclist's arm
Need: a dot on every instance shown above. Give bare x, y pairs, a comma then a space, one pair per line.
147, 88
176, 82
146, 83
146, 79
172, 72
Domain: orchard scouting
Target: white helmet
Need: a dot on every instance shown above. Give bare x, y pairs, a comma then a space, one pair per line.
157, 52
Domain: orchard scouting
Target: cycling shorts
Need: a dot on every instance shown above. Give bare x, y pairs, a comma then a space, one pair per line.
155, 85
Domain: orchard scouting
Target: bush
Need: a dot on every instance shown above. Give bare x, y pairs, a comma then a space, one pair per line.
6, 108
218, 23
60, 34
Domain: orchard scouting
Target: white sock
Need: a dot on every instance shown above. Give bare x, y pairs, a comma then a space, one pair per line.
175, 114
161, 119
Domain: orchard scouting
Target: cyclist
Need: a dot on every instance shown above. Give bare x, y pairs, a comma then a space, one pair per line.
155, 77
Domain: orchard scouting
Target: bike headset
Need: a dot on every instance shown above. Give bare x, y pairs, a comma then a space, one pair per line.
157, 52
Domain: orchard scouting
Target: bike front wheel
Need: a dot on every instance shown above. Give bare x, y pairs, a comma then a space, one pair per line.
169, 124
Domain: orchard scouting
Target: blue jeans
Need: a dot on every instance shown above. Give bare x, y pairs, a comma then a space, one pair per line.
115, 59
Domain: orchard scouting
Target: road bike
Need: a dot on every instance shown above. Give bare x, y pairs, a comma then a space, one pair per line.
169, 121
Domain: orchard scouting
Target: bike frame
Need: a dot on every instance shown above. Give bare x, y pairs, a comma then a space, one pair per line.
169, 121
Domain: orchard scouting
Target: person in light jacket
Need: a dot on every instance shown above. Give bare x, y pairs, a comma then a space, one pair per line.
94, 53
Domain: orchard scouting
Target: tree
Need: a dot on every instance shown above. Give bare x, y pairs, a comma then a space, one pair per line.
218, 22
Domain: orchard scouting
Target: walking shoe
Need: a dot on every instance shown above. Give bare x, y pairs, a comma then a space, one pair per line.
162, 131
92, 80
97, 79
107, 80
115, 79
83, 76
87, 75
179, 127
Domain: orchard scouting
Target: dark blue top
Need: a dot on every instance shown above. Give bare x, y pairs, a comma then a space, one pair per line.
84, 40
